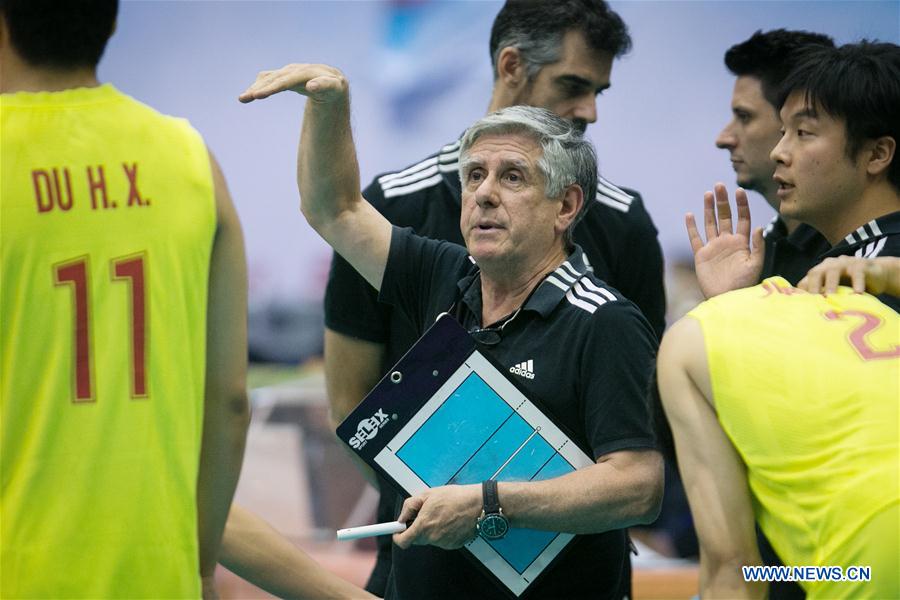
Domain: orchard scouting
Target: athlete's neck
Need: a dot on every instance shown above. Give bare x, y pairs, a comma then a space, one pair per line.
18, 76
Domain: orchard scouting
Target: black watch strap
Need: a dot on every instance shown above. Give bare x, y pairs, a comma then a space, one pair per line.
490, 497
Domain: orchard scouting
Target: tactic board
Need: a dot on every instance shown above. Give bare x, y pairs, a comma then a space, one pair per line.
446, 415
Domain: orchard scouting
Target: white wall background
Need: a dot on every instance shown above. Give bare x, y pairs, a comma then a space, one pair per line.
420, 73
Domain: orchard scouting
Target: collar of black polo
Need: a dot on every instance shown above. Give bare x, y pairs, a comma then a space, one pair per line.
543, 299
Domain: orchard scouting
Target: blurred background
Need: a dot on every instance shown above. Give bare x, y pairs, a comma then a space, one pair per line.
419, 73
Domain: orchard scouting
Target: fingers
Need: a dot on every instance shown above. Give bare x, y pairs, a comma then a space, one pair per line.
832, 280
320, 82
411, 508
743, 212
693, 234
723, 208
826, 277
709, 216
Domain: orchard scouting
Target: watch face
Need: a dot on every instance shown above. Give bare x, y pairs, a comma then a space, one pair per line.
493, 526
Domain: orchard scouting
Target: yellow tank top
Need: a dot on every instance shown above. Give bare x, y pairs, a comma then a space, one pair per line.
807, 388
107, 223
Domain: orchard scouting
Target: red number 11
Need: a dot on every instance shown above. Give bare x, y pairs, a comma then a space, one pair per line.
76, 275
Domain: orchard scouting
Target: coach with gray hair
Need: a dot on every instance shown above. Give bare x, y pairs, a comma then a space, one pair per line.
521, 288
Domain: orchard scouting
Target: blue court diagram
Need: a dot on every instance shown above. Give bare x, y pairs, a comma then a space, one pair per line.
475, 435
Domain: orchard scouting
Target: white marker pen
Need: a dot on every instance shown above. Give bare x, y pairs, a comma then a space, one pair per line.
354, 533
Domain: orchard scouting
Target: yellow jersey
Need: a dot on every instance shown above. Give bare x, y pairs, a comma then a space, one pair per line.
106, 229
807, 387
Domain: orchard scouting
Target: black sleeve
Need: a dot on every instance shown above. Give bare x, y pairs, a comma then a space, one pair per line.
616, 366
421, 275
351, 304
643, 282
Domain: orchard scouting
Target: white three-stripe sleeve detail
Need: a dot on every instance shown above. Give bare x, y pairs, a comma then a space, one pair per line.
610, 190
850, 239
557, 283
580, 303
581, 292
413, 187
419, 175
861, 232
620, 206
876, 230
596, 288
562, 273
428, 162
570, 269
879, 246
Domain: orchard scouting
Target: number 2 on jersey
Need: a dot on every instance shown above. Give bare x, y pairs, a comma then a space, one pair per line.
75, 274
857, 337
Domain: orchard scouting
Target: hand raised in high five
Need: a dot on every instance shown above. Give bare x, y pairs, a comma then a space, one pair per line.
320, 83
726, 261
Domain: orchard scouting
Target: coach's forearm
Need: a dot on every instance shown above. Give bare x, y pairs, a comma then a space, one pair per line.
622, 491
327, 169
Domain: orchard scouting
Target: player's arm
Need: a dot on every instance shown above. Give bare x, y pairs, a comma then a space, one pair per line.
879, 275
352, 368
327, 170
225, 410
256, 552
726, 261
714, 476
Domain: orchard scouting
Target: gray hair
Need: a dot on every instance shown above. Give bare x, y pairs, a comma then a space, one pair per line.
535, 51
566, 156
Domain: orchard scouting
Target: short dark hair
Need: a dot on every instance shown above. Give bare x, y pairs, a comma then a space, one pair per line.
770, 56
536, 28
60, 34
858, 83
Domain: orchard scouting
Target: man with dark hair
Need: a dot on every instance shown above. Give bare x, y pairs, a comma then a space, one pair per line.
761, 64
119, 456
525, 175
837, 165
556, 55
854, 209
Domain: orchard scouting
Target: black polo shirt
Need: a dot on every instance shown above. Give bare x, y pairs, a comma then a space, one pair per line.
878, 237
791, 255
580, 349
618, 237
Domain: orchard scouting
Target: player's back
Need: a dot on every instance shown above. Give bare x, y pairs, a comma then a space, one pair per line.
108, 219
807, 387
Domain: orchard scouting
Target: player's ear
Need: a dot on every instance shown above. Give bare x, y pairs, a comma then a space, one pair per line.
880, 155
570, 206
511, 68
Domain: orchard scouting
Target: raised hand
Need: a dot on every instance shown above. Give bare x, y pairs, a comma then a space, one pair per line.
726, 261
321, 83
875, 275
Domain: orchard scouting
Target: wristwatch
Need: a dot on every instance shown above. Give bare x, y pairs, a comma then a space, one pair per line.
492, 524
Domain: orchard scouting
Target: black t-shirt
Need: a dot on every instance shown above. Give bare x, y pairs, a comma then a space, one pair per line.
589, 354
791, 255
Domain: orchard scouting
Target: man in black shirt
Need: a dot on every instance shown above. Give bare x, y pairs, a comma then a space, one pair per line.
526, 176
760, 64
556, 55
836, 166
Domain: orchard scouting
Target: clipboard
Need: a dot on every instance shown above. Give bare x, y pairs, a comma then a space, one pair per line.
444, 414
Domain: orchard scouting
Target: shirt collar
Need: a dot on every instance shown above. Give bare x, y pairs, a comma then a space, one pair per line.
551, 291
548, 294
876, 228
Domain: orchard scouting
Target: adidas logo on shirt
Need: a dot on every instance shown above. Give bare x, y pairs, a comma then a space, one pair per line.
525, 369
